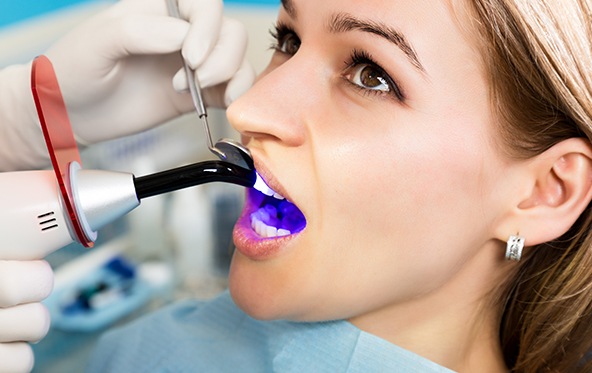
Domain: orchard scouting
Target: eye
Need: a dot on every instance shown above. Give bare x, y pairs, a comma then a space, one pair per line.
285, 39
366, 75
289, 44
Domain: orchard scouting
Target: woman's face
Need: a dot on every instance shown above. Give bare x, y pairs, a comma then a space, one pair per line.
373, 119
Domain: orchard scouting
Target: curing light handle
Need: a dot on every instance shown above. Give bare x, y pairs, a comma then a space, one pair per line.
192, 175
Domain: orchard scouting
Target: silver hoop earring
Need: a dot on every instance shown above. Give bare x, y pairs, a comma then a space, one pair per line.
514, 248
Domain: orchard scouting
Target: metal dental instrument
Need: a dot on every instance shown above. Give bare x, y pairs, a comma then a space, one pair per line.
225, 149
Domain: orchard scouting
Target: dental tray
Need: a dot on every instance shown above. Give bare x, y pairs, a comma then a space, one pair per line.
104, 296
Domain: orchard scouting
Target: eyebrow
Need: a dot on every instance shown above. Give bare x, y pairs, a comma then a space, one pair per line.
289, 7
343, 22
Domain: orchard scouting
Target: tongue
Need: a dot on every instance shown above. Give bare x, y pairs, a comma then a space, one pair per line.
292, 218
281, 214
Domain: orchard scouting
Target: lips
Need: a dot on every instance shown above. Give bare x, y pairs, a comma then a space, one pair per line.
268, 220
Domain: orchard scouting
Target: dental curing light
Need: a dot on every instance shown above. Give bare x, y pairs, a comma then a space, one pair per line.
45, 210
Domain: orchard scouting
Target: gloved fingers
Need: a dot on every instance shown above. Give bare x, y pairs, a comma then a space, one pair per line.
143, 34
206, 21
24, 323
24, 282
16, 357
226, 57
223, 61
239, 83
145, 27
222, 95
180, 81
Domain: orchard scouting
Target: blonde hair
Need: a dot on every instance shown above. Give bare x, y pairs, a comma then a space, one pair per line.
538, 57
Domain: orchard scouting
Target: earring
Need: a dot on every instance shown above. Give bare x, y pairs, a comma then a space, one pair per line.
514, 248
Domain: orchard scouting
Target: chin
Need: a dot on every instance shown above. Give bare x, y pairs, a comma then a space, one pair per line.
253, 301
266, 292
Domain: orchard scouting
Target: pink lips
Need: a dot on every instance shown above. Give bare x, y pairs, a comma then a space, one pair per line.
247, 241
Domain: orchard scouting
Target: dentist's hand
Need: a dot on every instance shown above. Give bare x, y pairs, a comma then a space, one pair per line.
116, 69
116, 74
23, 285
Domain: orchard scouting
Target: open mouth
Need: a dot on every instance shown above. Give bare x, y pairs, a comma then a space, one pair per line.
274, 216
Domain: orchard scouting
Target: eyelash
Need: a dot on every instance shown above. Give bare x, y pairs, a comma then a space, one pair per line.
280, 32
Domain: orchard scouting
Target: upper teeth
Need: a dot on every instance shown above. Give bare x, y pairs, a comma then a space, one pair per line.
265, 189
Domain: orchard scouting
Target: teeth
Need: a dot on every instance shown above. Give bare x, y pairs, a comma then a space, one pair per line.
265, 189
283, 232
265, 230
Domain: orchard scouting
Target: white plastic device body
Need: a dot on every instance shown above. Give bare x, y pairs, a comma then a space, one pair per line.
34, 221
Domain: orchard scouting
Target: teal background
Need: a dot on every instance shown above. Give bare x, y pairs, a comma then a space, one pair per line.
15, 11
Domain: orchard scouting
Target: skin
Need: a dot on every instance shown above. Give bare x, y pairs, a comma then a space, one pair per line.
403, 199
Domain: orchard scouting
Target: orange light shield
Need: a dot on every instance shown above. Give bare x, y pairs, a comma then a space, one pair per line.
58, 135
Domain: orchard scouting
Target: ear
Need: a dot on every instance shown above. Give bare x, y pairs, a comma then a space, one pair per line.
561, 180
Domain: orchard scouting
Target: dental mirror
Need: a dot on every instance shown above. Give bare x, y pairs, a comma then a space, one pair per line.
225, 149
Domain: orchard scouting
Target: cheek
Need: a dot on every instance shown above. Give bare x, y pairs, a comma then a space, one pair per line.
405, 203
406, 175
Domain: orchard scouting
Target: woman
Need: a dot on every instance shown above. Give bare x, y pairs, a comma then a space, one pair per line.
425, 143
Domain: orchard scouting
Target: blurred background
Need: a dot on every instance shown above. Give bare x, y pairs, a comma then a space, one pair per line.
173, 246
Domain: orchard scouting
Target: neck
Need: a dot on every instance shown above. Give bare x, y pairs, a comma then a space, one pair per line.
456, 325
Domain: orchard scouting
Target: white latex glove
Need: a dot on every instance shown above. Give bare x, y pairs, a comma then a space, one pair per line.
23, 319
116, 74
115, 70
21, 141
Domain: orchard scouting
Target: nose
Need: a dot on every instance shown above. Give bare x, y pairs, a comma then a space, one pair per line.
276, 107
